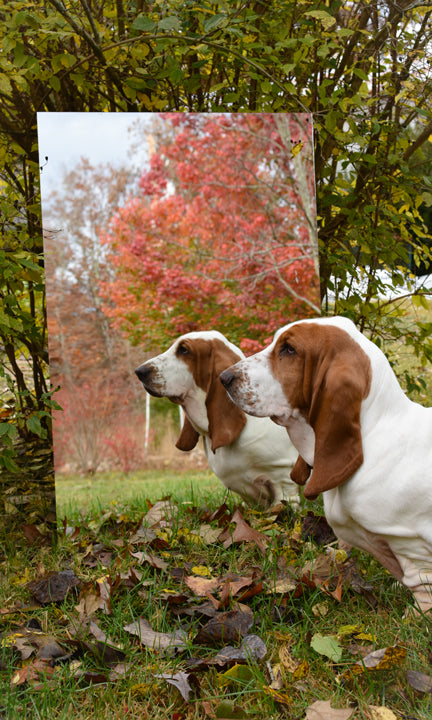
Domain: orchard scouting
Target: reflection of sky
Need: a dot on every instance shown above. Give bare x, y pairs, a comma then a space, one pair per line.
66, 137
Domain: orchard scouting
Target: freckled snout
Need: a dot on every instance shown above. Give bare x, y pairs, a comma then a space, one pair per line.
238, 387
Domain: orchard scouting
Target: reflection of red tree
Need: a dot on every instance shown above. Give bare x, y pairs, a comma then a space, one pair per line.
220, 237
98, 428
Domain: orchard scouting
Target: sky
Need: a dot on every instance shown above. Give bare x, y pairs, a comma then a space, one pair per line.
66, 137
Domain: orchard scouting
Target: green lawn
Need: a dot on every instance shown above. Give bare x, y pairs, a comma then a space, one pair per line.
78, 495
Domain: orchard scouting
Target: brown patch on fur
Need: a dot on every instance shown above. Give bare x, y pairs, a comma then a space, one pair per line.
206, 360
327, 379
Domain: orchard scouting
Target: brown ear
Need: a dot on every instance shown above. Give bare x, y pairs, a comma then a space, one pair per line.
188, 437
226, 420
300, 471
335, 418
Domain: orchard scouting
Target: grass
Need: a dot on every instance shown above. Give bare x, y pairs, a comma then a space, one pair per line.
102, 519
78, 494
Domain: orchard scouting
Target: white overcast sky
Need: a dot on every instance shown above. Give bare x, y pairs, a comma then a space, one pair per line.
66, 137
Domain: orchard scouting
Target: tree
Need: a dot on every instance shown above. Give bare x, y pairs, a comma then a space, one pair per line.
361, 68
222, 235
89, 363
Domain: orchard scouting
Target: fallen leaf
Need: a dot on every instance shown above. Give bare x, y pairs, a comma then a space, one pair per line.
209, 534
151, 559
229, 711
322, 710
159, 641
383, 659
282, 585
54, 587
161, 511
37, 674
202, 586
297, 668
180, 680
320, 609
277, 682
225, 627
201, 571
240, 673
277, 695
381, 713
327, 645
251, 647
95, 596
242, 533
419, 681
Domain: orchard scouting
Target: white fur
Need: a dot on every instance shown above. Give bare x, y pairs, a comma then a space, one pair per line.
388, 500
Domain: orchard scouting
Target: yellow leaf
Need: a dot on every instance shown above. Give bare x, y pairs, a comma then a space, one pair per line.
201, 570
301, 671
296, 148
278, 696
381, 713
23, 579
287, 659
383, 659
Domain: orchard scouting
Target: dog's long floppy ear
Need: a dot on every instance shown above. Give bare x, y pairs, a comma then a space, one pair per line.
188, 437
335, 417
301, 471
226, 420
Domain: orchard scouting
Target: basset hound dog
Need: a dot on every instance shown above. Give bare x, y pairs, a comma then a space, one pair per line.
250, 456
361, 441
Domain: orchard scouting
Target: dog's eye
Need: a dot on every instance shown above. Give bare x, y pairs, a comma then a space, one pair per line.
182, 349
286, 349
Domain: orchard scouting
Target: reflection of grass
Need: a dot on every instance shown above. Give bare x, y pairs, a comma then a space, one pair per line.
76, 494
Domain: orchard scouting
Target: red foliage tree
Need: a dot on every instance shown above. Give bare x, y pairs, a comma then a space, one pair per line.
222, 235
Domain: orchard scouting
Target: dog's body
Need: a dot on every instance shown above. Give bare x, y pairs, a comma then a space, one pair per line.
361, 441
249, 455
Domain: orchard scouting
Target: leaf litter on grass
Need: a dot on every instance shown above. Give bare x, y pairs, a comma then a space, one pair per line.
192, 614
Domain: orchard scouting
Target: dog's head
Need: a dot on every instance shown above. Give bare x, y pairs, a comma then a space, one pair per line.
188, 374
312, 379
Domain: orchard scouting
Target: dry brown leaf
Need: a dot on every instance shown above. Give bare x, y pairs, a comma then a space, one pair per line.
54, 587
228, 627
94, 597
151, 559
277, 679
242, 533
322, 710
419, 681
209, 534
180, 680
159, 641
202, 586
161, 511
251, 647
37, 674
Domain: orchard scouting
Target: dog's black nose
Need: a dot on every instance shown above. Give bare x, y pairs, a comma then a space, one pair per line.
143, 373
226, 378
